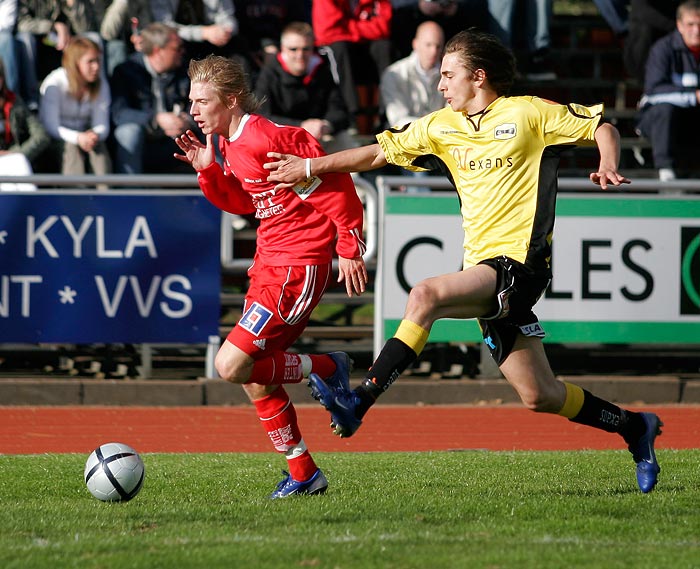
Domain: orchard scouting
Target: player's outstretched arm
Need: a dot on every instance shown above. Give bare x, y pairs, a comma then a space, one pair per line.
198, 155
607, 138
354, 273
287, 169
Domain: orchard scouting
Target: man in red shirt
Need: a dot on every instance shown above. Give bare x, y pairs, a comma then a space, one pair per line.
354, 34
292, 265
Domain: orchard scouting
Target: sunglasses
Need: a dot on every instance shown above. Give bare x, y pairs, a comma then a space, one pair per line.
295, 49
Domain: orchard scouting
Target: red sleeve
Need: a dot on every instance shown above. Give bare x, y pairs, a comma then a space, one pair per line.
337, 199
225, 192
330, 21
333, 22
373, 21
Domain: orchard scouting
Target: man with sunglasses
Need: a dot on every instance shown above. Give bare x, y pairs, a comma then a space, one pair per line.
297, 87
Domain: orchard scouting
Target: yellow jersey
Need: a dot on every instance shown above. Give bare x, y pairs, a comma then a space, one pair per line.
503, 162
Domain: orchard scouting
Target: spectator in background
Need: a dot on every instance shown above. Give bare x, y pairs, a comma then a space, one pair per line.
452, 15
670, 107
44, 28
74, 109
150, 93
649, 20
8, 48
536, 18
22, 136
297, 88
409, 86
354, 33
260, 27
615, 13
206, 26
39, 23
120, 29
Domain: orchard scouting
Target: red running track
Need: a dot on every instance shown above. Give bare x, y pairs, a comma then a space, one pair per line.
32, 430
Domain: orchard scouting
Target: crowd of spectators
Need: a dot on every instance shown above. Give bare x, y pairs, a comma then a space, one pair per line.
103, 84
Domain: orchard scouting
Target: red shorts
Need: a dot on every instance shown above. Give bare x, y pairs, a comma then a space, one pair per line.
278, 306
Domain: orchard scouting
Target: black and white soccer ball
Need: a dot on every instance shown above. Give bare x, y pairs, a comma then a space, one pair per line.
114, 472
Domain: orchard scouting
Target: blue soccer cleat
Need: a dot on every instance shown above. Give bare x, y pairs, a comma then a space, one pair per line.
643, 453
341, 376
317, 484
340, 403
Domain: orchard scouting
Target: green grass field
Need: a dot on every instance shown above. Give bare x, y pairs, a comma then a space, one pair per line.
400, 510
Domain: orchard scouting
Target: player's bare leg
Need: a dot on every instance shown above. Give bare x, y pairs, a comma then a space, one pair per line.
279, 419
528, 371
464, 294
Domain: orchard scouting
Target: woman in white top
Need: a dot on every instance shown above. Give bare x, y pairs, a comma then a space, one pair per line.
74, 109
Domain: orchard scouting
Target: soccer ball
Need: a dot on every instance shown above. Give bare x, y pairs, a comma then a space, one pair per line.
114, 472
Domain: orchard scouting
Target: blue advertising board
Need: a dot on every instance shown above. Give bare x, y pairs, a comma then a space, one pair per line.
106, 267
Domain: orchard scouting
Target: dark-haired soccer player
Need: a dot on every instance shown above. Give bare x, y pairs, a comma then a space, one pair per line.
500, 154
292, 266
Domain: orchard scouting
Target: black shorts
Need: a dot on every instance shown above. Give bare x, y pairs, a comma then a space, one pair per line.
518, 288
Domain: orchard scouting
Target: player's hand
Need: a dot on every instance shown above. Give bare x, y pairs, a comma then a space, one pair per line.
287, 170
354, 273
198, 155
604, 177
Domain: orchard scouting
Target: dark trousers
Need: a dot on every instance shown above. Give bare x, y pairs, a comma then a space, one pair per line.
358, 63
672, 132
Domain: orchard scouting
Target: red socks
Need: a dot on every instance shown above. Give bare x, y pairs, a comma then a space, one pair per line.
285, 367
279, 367
279, 419
323, 365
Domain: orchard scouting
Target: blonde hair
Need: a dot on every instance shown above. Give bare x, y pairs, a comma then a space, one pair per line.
298, 28
76, 48
227, 77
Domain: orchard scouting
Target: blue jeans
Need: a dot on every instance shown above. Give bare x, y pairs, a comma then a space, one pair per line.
132, 141
8, 53
128, 156
538, 14
27, 51
614, 12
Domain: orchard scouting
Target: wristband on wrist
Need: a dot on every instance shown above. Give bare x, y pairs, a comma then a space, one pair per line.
308, 168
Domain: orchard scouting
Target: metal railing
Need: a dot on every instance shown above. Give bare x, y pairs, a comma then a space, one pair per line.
389, 183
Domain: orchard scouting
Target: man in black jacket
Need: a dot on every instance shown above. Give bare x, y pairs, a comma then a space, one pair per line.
149, 104
670, 107
297, 87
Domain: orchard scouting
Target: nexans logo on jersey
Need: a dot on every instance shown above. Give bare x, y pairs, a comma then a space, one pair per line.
255, 319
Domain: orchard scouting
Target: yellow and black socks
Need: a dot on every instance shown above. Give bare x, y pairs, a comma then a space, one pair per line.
583, 407
397, 354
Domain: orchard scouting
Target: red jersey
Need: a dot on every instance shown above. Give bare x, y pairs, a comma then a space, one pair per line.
357, 21
297, 225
